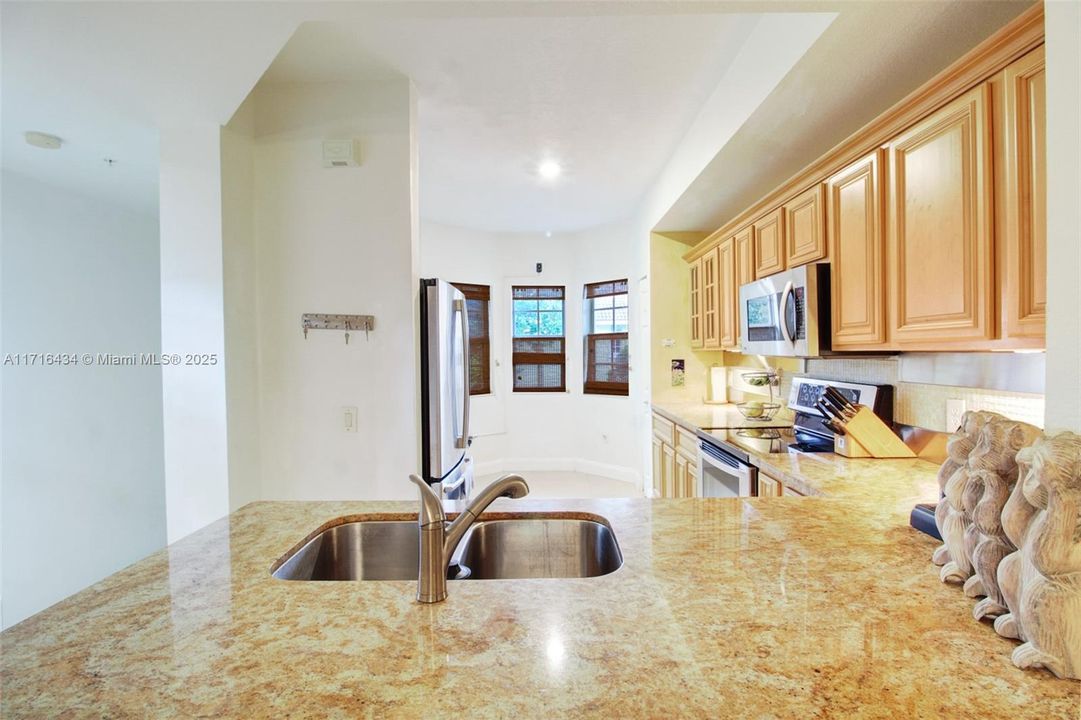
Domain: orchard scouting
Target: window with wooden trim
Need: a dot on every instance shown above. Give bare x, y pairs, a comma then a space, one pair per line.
477, 299
607, 350
539, 342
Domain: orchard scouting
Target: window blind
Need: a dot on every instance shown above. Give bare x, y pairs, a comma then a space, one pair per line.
607, 354
477, 299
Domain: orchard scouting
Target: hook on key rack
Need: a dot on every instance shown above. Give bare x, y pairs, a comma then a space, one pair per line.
330, 321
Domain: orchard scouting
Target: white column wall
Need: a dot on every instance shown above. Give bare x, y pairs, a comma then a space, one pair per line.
1063, 48
192, 323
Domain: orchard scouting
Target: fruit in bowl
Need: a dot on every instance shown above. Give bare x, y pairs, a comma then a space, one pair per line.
758, 410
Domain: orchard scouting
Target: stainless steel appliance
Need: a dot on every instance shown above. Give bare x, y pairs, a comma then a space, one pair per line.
724, 470
787, 314
444, 389
813, 407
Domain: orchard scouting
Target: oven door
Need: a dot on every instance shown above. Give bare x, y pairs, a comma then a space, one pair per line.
777, 314
723, 475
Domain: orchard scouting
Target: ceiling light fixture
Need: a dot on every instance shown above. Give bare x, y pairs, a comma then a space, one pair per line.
43, 140
549, 169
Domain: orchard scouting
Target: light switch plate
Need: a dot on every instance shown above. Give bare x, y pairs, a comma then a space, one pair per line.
349, 419
955, 409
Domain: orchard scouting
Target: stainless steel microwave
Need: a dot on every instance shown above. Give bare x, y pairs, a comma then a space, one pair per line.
787, 314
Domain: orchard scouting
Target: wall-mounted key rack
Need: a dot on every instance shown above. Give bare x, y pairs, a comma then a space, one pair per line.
330, 321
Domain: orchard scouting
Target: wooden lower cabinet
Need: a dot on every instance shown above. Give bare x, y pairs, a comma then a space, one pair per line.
686, 485
857, 238
675, 460
941, 244
668, 460
768, 486
769, 244
658, 467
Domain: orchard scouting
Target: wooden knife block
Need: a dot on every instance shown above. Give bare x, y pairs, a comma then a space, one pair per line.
867, 436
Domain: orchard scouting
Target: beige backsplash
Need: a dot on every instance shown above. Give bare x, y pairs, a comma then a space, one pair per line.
924, 405
919, 404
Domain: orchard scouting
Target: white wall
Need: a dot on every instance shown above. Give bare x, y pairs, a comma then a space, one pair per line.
1063, 27
330, 240
241, 328
541, 431
82, 450
192, 323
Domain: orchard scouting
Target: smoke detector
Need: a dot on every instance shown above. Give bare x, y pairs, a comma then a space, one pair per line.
43, 140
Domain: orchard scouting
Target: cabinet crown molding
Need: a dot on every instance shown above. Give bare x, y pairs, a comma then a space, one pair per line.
1019, 36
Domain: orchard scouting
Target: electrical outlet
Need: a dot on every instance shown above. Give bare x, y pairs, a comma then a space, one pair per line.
955, 410
349, 419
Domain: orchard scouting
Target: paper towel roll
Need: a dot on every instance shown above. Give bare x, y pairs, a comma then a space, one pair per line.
718, 384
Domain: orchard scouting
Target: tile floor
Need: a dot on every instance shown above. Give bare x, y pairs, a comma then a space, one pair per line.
548, 484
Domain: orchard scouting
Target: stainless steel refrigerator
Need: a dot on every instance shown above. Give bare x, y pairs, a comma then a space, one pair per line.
444, 389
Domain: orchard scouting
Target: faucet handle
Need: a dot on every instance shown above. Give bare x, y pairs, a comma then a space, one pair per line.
431, 507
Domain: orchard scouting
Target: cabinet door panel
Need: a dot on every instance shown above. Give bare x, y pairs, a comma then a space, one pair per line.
940, 233
727, 295
767, 486
744, 241
668, 461
710, 301
769, 244
857, 254
696, 303
658, 466
805, 228
1025, 170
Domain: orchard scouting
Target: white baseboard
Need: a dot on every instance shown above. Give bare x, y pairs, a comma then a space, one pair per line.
615, 472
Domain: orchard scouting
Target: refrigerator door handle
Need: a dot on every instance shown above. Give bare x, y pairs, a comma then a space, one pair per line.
459, 307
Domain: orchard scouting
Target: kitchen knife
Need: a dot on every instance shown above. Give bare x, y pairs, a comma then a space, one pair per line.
838, 409
829, 412
841, 401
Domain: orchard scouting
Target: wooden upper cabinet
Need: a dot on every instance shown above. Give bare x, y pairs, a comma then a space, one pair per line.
940, 236
857, 241
769, 243
1024, 170
805, 227
744, 242
696, 303
728, 295
711, 337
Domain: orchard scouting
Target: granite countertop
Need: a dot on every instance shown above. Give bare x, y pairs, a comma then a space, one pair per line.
767, 607
692, 415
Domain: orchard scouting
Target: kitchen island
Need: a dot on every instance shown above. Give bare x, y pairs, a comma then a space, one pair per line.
767, 607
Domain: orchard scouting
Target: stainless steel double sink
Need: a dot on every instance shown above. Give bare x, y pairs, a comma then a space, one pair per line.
541, 547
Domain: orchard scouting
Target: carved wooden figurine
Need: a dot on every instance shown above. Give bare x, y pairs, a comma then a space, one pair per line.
1050, 605
1016, 520
950, 514
994, 463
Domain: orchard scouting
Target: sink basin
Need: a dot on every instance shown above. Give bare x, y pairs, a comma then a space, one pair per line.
369, 550
539, 548
491, 550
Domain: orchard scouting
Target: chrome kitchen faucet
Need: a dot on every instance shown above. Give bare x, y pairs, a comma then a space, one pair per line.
438, 540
